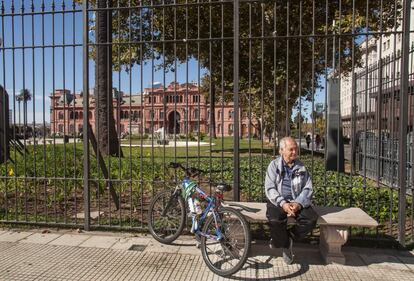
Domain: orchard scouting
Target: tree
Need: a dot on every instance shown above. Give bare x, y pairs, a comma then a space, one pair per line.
298, 119
281, 43
210, 94
102, 53
23, 96
107, 140
318, 116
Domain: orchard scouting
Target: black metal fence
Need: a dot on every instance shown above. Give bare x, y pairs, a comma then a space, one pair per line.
383, 79
103, 94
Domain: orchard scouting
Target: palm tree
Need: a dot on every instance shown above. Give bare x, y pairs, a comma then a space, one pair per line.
24, 96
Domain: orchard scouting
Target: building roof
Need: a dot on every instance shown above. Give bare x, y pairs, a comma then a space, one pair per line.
77, 100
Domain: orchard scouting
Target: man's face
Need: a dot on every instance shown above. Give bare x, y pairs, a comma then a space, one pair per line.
290, 152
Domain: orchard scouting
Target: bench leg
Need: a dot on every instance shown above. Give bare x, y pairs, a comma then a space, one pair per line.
330, 242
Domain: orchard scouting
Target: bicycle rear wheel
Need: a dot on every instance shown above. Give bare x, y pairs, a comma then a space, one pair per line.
227, 256
166, 217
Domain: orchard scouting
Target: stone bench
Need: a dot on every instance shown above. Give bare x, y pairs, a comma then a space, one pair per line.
333, 221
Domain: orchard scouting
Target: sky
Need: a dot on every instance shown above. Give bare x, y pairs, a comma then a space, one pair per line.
41, 70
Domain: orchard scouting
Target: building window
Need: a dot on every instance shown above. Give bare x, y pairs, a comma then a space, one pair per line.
60, 115
196, 98
135, 116
231, 113
161, 114
195, 128
90, 115
196, 114
219, 115
72, 115
219, 129
60, 128
71, 129
152, 99
151, 113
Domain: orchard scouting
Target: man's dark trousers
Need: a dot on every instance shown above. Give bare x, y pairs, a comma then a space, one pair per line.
305, 221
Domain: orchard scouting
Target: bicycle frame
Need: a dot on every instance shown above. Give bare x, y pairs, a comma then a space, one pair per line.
213, 204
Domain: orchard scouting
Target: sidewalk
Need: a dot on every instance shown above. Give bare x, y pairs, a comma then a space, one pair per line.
68, 255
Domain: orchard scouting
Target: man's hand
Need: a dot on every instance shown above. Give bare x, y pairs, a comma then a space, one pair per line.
288, 210
295, 206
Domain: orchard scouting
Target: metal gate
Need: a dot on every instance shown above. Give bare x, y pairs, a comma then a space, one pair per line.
99, 96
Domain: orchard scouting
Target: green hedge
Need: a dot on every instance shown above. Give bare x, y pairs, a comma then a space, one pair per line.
331, 188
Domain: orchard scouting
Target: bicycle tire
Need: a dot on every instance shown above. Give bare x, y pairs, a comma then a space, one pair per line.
228, 247
175, 211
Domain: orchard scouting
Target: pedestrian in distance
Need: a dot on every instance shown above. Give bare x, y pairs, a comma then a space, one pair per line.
318, 141
308, 140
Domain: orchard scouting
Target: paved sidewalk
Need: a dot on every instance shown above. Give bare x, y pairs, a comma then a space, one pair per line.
68, 255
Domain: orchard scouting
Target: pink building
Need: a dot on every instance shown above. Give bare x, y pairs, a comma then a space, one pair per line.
179, 108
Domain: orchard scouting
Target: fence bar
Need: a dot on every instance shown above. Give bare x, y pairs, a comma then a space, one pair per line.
86, 190
236, 134
402, 168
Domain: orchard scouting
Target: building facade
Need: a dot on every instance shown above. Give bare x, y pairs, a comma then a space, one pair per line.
175, 109
378, 74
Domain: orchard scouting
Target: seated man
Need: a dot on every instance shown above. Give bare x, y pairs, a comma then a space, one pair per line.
288, 188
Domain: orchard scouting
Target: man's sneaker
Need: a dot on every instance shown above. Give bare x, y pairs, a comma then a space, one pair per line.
287, 253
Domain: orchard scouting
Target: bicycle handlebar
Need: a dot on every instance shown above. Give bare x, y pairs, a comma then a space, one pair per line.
191, 172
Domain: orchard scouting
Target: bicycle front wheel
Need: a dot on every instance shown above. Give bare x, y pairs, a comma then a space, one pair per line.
228, 255
166, 217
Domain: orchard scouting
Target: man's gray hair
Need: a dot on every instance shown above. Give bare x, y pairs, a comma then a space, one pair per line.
283, 141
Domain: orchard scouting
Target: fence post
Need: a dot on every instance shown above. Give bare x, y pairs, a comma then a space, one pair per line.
354, 129
379, 123
86, 191
402, 156
4, 126
236, 135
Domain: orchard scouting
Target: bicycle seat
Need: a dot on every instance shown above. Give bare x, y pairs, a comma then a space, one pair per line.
223, 187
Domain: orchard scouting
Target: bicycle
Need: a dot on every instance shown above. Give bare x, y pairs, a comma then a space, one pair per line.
224, 232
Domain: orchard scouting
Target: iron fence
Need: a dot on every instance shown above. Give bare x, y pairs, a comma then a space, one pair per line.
104, 94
